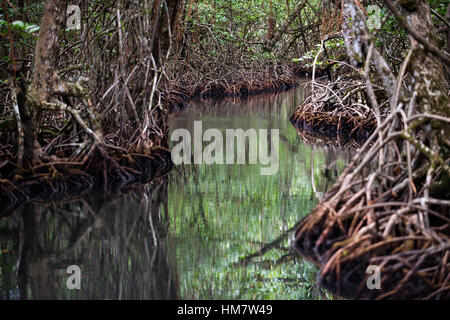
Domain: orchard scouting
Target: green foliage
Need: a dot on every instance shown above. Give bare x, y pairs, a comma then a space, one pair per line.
439, 5
16, 34
236, 26
19, 28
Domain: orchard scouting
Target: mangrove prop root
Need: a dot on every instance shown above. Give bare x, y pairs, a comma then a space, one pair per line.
386, 214
390, 207
103, 172
337, 109
178, 92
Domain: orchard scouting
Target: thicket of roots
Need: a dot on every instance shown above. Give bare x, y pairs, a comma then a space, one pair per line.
336, 109
211, 79
104, 173
390, 209
110, 131
131, 85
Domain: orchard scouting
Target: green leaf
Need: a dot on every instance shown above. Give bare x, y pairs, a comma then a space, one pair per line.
32, 28
20, 25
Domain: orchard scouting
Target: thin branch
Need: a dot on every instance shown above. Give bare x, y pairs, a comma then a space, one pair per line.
428, 46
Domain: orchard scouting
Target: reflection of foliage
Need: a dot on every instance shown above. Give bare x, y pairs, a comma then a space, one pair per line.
221, 215
145, 245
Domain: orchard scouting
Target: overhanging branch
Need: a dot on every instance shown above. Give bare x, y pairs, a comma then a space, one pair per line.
428, 46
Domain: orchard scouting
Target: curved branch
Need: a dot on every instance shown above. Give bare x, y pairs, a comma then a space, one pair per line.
428, 46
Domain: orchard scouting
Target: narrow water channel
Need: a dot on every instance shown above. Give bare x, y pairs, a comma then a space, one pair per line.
203, 232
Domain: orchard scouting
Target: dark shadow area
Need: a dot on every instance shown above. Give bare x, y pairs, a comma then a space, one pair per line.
118, 240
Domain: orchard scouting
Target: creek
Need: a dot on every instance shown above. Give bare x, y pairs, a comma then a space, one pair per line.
206, 231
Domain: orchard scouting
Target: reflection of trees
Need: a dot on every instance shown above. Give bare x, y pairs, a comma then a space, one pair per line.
254, 106
328, 142
119, 245
329, 173
288, 255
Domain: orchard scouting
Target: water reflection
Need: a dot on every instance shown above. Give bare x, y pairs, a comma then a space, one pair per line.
231, 225
204, 232
120, 246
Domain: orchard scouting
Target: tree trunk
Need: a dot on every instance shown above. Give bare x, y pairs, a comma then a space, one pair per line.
167, 13
47, 50
44, 76
283, 29
429, 88
270, 21
428, 72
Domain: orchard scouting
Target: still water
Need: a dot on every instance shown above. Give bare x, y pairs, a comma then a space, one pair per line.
202, 232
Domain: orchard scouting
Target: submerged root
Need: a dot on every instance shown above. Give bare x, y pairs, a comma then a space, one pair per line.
315, 137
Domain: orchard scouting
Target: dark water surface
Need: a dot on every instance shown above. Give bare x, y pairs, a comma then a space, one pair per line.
202, 232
